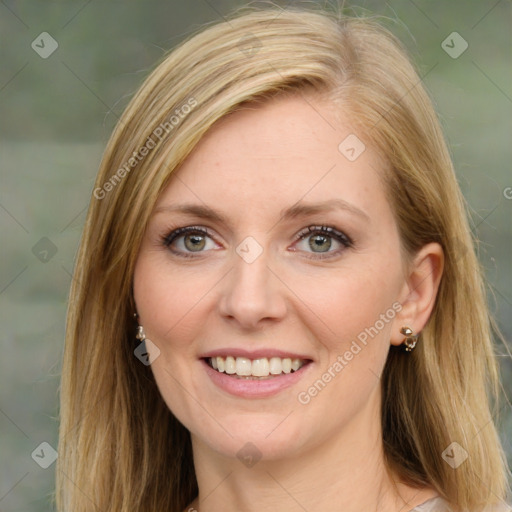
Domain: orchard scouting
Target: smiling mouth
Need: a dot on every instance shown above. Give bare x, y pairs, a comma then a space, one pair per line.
261, 368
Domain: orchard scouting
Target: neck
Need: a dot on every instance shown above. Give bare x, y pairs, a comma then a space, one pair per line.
346, 472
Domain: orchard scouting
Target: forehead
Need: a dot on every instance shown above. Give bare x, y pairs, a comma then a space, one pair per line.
270, 155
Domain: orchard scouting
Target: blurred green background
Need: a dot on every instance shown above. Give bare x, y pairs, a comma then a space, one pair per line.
57, 113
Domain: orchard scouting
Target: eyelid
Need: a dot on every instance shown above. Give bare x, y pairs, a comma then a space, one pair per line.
173, 233
343, 239
339, 236
329, 230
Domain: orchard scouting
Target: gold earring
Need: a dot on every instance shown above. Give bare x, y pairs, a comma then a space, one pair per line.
410, 338
141, 335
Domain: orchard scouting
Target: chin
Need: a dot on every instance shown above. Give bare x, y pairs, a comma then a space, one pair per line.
263, 438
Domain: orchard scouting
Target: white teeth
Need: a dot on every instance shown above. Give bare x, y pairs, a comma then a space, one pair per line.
296, 364
243, 366
262, 367
287, 365
275, 366
229, 365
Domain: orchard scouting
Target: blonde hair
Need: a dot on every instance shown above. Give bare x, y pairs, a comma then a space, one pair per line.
120, 448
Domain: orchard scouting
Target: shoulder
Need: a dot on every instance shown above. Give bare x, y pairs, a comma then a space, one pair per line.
438, 504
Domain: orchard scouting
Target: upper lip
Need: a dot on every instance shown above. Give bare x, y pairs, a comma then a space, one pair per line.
253, 354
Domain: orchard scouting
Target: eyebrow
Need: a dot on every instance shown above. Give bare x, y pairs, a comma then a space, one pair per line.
297, 210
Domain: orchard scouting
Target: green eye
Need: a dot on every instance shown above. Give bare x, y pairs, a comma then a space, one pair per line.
323, 240
194, 242
183, 241
320, 243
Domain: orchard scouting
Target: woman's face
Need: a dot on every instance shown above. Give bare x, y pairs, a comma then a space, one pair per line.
273, 249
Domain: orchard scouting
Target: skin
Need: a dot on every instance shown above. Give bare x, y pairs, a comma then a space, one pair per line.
251, 165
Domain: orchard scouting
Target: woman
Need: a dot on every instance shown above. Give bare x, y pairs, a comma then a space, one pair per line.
276, 303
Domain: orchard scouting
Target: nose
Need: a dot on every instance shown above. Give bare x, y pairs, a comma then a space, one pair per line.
252, 295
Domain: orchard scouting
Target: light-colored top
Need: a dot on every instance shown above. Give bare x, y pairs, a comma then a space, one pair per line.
440, 505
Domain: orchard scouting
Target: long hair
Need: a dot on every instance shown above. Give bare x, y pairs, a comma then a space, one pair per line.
120, 448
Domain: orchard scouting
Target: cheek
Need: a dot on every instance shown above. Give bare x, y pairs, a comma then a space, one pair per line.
167, 302
353, 321
169, 306
344, 304
352, 315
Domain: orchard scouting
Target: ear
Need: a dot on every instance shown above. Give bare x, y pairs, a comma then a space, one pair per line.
418, 294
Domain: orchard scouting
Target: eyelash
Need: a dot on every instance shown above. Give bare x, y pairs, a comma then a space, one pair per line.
343, 239
340, 237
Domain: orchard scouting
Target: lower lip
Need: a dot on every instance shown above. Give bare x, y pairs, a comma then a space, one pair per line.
254, 388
